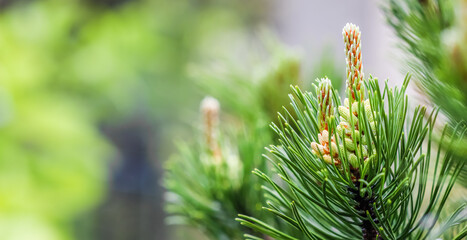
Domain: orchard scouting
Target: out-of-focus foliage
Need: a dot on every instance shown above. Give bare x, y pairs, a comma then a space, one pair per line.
250, 91
433, 36
208, 192
66, 67
252, 88
52, 157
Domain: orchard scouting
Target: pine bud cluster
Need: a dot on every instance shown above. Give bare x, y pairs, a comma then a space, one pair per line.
354, 140
348, 139
326, 147
324, 92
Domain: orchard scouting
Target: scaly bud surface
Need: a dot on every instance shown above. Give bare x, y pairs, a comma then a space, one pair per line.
326, 147
324, 92
353, 54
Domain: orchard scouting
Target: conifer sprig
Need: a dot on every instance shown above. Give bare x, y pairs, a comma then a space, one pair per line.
377, 184
207, 181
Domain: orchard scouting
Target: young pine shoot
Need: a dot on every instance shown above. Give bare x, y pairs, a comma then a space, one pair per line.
362, 168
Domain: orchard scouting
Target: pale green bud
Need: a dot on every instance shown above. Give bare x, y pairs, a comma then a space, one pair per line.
345, 113
340, 130
363, 140
342, 149
349, 144
334, 150
353, 160
357, 135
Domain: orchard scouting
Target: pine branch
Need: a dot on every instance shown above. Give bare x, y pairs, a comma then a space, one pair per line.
358, 168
